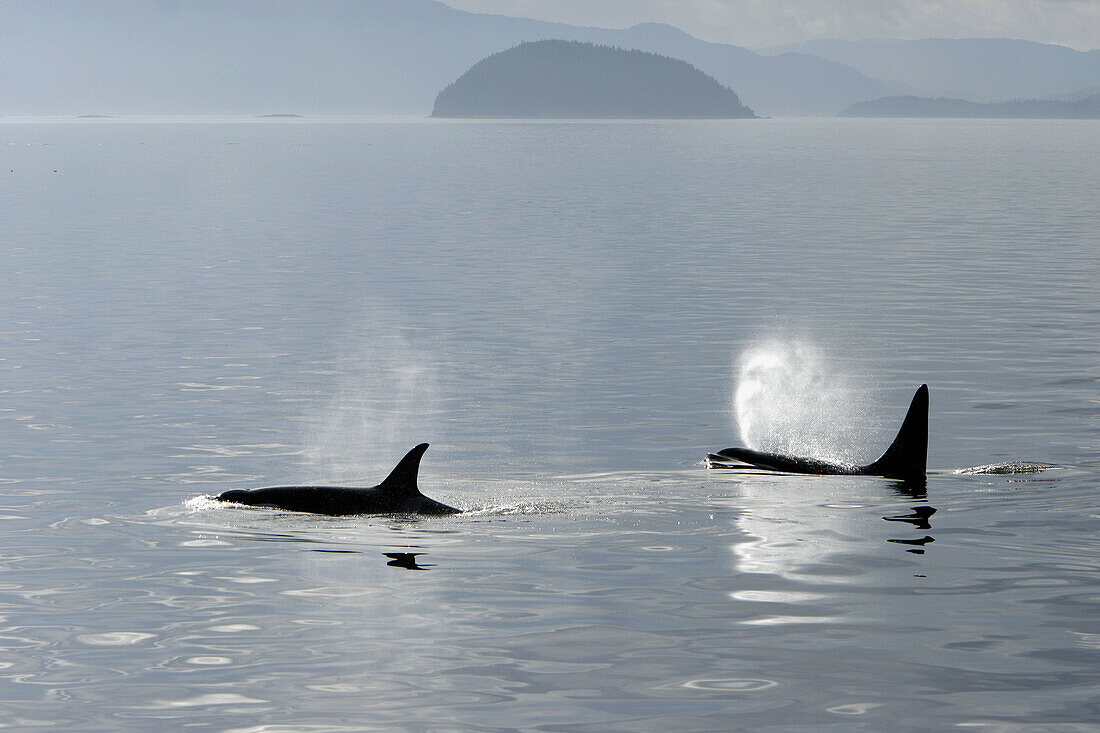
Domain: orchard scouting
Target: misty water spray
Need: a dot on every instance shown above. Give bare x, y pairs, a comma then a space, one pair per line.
791, 398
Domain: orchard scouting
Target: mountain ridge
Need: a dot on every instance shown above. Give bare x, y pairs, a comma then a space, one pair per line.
365, 57
977, 69
125, 57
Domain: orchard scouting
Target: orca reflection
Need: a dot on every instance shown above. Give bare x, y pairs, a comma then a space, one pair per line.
904, 460
919, 544
919, 517
398, 494
406, 560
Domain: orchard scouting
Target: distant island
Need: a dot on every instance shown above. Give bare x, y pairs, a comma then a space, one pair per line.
910, 106
571, 79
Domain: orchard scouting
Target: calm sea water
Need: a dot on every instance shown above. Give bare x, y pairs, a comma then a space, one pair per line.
565, 311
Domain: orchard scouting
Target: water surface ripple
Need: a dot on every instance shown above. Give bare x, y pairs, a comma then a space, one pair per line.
560, 309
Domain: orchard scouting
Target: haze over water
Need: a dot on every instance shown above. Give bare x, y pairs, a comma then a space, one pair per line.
566, 311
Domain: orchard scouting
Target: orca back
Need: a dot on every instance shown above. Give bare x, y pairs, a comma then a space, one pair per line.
907, 457
402, 478
397, 494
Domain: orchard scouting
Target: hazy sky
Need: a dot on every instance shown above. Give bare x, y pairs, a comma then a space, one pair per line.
755, 23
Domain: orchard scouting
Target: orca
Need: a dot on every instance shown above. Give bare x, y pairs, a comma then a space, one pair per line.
904, 460
398, 494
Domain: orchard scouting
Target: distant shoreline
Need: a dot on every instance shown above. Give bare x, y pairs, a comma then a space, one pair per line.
940, 107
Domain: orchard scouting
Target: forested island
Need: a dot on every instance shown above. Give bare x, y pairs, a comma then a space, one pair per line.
910, 106
570, 79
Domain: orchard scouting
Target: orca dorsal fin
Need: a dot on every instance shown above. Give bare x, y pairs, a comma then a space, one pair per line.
907, 456
403, 476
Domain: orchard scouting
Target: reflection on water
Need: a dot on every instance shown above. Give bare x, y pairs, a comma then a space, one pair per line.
806, 525
919, 542
406, 560
918, 518
913, 488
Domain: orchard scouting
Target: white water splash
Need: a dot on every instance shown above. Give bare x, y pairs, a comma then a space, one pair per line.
200, 504
791, 399
386, 401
